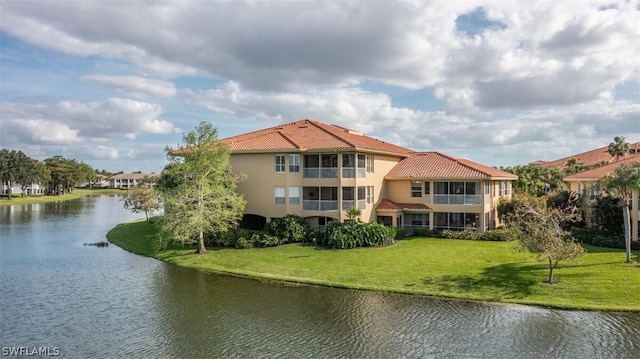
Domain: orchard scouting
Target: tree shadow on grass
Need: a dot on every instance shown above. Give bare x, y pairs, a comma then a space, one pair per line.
503, 281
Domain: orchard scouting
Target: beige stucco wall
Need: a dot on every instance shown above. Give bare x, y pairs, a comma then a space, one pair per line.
261, 179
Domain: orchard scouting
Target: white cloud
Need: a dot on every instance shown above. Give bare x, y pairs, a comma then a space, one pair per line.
136, 86
71, 121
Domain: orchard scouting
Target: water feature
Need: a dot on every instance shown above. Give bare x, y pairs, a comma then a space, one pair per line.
103, 302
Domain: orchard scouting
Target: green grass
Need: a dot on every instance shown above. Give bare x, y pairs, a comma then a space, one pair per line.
77, 193
475, 270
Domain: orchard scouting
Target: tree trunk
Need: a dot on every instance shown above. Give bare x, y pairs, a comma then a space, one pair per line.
10, 187
550, 280
627, 232
201, 248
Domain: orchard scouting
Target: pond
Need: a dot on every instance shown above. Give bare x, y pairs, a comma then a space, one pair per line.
83, 301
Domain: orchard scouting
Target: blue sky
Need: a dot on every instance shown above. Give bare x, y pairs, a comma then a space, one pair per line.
498, 82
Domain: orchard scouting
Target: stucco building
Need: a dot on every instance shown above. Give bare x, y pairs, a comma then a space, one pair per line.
318, 171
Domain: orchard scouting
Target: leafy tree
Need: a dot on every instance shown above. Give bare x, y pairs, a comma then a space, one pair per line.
201, 196
622, 184
33, 171
574, 166
542, 234
9, 168
535, 180
142, 199
65, 173
618, 148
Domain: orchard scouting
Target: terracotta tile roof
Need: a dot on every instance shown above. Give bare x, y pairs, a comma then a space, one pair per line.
597, 173
394, 206
590, 157
308, 135
437, 165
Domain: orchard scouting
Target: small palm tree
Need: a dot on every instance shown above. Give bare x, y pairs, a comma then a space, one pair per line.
622, 184
618, 148
353, 214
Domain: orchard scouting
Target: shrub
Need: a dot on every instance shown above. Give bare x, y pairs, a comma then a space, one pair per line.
502, 234
400, 233
290, 229
351, 235
426, 232
597, 238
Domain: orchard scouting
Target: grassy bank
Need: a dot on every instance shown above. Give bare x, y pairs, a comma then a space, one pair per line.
4, 201
486, 271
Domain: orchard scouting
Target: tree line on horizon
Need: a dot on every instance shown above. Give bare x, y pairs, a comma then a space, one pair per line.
60, 174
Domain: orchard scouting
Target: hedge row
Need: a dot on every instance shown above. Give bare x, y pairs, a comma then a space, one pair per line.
503, 234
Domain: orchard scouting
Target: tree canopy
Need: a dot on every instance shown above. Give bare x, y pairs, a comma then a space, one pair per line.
542, 232
199, 189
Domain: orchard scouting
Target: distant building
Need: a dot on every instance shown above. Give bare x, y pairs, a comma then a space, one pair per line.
585, 181
126, 180
31, 190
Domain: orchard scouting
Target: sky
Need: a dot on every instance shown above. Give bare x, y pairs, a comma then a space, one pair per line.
500, 82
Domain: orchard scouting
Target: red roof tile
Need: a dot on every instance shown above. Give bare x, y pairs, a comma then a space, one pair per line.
308, 135
393, 206
437, 165
590, 157
597, 173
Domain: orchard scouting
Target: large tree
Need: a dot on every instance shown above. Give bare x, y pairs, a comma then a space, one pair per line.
199, 189
618, 148
17, 167
622, 184
542, 233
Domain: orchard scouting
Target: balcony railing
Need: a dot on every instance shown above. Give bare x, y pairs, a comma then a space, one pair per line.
348, 172
457, 199
322, 205
322, 172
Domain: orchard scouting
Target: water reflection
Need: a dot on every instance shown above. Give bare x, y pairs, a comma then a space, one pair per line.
105, 303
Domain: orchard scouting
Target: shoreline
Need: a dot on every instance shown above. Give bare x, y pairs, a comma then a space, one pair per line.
518, 279
77, 193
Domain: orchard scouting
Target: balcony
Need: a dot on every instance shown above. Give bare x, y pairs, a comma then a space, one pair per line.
320, 172
457, 199
320, 205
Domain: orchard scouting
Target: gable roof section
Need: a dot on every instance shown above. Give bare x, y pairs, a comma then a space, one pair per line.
309, 135
590, 157
438, 165
597, 173
388, 205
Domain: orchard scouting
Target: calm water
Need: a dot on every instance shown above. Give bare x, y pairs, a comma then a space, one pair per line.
90, 302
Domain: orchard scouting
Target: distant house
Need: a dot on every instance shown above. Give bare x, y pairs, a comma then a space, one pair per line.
30, 190
594, 157
584, 182
318, 171
126, 180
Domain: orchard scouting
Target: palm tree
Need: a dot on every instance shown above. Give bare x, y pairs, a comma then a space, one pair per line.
618, 148
353, 214
624, 182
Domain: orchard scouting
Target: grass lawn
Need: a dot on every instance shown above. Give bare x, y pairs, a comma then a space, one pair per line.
486, 271
77, 193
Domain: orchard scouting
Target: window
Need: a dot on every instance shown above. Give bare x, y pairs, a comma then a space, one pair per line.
362, 166
294, 163
416, 219
370, 198
416, 189
279, 163
370, 163
362, 197
294, 195
348, 194
427, 192
278, 194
